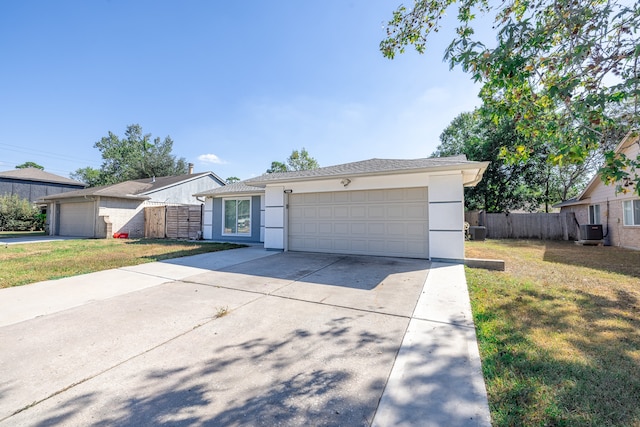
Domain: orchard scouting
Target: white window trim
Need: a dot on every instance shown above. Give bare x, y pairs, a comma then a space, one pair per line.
237, 199
594, 214
635, 222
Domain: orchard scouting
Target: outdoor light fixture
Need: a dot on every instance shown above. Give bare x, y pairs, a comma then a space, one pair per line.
345, 182
288, 191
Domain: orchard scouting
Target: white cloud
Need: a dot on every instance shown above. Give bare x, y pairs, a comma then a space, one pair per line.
211, 158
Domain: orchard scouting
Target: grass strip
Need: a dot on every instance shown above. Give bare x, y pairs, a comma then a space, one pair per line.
34, 262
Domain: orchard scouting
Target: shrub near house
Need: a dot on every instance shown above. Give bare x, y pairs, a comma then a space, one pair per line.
18, 214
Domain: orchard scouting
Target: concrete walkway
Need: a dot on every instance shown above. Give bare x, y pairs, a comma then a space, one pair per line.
34, 239
22, 303
309, 339
437, 377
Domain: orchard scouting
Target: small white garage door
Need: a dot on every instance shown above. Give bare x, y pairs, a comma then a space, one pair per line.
76, 219
373, 222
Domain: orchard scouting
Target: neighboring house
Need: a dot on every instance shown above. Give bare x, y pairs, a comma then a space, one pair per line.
406, 208
33, 184
99, 212
619, 214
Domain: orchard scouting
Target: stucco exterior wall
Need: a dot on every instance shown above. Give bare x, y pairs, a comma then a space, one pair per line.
446, 217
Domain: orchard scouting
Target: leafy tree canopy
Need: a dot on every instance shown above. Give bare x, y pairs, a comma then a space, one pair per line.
232, 179
136, 156
509, 184
559, 69
505, 186
297, 161
26, 165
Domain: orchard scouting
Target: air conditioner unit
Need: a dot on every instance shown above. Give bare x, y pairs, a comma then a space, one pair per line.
591, 232
478, 233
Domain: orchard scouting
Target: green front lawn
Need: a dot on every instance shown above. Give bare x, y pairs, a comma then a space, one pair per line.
559, 333
35, 262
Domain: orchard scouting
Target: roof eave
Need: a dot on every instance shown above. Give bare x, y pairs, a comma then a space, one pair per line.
230, 193
633, 133
190, 178
443, 168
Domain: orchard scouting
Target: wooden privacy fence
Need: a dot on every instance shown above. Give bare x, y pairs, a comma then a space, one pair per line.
544, 226
173, 222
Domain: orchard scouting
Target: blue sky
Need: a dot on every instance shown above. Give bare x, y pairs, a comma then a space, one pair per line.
235, 84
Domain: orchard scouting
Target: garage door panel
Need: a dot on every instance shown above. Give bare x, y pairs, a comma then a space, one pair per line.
325, 212
396, 229
415, 194
416, 212
76, 219
377, 229
341, 228
375, 222
359, 212
358, 229
395, 246
396, 212
343, 197
341, 244
296, 228
325, 228
359, 246
416, 230
376, 212
341, 212
324, 197
376, 195
357, 196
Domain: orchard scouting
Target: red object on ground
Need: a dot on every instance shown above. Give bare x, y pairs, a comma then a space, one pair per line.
121, 235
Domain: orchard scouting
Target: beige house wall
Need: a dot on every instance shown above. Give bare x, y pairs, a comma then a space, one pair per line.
611, 209
126, 216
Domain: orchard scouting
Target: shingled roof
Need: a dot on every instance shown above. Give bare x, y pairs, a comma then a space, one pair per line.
367, 167
38, 175
136, 189
234, 188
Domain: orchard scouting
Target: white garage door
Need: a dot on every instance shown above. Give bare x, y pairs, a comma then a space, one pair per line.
76, 219
373, 222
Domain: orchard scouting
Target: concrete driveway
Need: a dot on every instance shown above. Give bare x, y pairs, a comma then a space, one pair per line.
244, 337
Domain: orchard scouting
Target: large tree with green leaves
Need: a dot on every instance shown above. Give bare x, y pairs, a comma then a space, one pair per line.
558, 69
27, 165
135, 156
512, 183
299, 160
506, 185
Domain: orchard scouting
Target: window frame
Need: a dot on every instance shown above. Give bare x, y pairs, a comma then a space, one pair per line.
224, 216
629, 218
594, 214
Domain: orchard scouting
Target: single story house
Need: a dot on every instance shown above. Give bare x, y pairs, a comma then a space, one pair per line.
100, 212
406, 208
618, 213
33, 184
